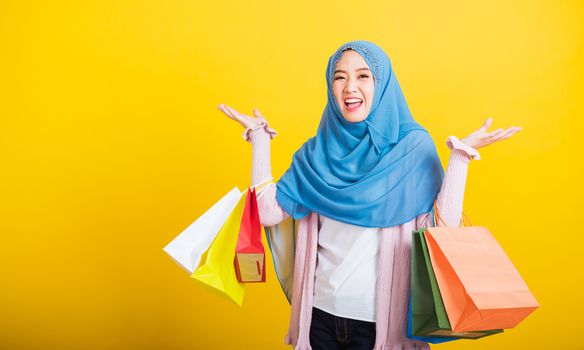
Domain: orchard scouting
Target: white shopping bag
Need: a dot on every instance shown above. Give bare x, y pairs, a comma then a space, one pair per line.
186, 249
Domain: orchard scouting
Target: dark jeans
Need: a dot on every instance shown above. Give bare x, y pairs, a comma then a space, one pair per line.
329, 332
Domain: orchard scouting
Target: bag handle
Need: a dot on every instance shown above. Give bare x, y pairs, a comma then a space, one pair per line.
263, 189
467, 219
438, 217
261, 186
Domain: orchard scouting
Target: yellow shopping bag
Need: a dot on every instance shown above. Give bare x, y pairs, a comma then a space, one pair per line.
216, 269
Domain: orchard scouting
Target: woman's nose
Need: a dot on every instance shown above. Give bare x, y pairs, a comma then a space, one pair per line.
351, 86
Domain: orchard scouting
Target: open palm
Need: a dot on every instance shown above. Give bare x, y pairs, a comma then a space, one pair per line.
243, 119
482, 137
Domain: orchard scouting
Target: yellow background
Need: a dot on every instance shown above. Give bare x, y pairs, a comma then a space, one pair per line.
111, 144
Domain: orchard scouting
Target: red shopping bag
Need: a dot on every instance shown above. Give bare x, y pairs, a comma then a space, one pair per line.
250, 257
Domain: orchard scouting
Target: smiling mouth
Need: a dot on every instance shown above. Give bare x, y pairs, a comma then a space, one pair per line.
353, 105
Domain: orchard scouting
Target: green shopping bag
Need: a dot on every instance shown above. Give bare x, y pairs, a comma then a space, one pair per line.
429, 318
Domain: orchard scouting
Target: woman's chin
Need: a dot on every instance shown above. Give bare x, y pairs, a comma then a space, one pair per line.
354, 117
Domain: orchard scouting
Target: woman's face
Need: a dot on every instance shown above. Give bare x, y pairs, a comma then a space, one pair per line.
353, 86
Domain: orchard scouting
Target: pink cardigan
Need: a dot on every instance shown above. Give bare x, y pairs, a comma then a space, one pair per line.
393, 280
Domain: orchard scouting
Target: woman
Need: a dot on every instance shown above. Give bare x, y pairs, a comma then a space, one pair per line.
359, 187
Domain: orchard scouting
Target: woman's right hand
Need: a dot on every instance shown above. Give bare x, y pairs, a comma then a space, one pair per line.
245, 120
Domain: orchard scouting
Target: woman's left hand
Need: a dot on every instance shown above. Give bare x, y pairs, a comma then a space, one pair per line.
481, 137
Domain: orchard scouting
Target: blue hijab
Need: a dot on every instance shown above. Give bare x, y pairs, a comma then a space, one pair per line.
379, 172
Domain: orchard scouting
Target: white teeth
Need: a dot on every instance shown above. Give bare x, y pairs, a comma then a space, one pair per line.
352, 100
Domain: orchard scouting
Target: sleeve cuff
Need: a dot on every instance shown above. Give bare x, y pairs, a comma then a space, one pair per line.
454, 142
262, 125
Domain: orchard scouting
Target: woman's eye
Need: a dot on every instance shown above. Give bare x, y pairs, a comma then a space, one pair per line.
362, 75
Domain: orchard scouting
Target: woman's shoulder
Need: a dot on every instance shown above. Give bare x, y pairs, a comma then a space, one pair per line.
418, 134
418, 139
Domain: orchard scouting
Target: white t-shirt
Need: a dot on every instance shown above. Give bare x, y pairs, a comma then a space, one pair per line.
346, 269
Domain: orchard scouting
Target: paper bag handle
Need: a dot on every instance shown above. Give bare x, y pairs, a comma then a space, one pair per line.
261, 186
437, 216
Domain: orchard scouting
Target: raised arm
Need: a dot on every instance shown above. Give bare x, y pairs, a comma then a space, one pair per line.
270, 211
451, 195
258, 132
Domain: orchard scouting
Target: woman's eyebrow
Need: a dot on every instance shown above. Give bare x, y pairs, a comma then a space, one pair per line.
356, 70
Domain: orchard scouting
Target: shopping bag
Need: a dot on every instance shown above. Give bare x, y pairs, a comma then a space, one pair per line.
187, 248
429, 316
480, 287
250, 258
428, 339
216, 269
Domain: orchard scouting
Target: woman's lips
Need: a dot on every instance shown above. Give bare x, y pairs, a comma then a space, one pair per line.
351, 107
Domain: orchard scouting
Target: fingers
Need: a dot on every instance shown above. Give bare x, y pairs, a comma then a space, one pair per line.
228, 112
413, 345
486, 124
418, 345
494, 133
423, 346
505, 134
234, 113
481, 137
245, 120
257, 113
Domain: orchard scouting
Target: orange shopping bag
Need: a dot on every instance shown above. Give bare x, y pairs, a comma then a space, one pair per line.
479, 285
